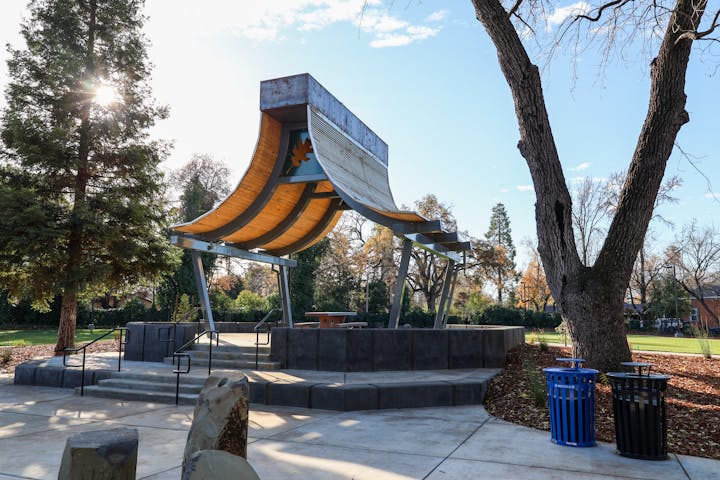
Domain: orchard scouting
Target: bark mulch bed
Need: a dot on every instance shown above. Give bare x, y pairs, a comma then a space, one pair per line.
693, 397
20, 355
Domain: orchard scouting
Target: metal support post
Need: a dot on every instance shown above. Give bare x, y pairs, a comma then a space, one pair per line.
450, 271
450, 297
202, 291
399, 286
284, 290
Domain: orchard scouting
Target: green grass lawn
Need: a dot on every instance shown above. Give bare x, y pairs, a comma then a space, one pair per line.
46, 336
643, 342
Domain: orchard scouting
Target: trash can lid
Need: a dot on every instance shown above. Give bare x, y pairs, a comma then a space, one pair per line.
639, 366
571, 371
574, 362
637, 376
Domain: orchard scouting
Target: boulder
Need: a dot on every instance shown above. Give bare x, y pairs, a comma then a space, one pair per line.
100, 455
220, 421
216, 464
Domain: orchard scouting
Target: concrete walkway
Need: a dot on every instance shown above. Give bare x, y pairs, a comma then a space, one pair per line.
294, 443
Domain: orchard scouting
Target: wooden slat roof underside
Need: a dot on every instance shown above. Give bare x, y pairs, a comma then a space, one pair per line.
280, 218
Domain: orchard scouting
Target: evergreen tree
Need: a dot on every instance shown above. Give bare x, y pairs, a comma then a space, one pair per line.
201, 183
302, 277
80, 190
502, 267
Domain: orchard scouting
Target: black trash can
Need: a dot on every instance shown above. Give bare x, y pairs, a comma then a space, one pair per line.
640, 412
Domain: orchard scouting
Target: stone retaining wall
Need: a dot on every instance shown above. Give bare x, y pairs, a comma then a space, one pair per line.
378, 349
144, 337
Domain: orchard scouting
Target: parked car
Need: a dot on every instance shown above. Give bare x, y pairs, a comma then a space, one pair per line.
669, 325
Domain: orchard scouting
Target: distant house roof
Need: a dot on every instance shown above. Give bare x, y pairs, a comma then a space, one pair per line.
708, 291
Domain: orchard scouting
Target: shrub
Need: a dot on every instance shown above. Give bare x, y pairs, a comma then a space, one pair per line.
499, 315
701, 335
538, 392
6, 355
542, 340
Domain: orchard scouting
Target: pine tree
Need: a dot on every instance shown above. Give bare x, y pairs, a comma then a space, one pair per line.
500, 239
80, 189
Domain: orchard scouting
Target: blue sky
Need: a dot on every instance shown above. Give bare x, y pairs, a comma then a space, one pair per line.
424, 76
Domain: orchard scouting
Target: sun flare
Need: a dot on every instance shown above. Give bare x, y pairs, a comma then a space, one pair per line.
106, 95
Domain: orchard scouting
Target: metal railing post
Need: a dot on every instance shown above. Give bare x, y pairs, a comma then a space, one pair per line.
68, 350
82, 379
210, 354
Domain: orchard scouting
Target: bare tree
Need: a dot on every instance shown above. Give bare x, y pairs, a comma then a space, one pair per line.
590, 210
427, 270
591, 298
696, 254
647, 270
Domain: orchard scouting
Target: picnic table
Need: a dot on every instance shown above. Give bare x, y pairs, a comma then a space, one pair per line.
331, 320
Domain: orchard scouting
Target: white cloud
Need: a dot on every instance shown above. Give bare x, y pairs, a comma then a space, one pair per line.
524, 188
504, 190
580, 167
714, 196
438, 16
560, 14
270, 20
412, 33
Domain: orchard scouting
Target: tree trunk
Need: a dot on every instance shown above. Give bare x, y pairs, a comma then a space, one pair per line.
68, 313
68, 320
593, 312
591, 298
499, 286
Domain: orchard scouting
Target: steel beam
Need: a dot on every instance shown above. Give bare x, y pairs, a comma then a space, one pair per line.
450, 271
450, 297
437, 249
202, 291
429, 226
319, 177
220, 249
284, 290
399, 286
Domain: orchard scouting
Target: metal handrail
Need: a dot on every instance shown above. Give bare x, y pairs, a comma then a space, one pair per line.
179, 353
167, 338
257, 330
124, 333
177, 372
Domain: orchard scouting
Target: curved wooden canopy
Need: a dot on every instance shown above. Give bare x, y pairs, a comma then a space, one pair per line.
313, 159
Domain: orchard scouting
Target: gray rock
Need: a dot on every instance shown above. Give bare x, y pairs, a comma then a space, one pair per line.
216, 464
100, 455
220, 421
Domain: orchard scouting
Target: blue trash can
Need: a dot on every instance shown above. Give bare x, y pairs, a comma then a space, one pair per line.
571, 400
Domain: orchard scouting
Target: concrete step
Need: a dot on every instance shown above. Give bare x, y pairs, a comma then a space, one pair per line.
129, 384
168, 377
227, 355
203, 347
229, 364
152, 396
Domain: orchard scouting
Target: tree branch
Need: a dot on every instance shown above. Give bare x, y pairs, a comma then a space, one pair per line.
665, 116
616, 3
514, 8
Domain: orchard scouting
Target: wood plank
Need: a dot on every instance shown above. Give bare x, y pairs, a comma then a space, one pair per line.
252, 183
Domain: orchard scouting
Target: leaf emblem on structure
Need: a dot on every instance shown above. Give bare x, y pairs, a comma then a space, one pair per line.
300, 152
